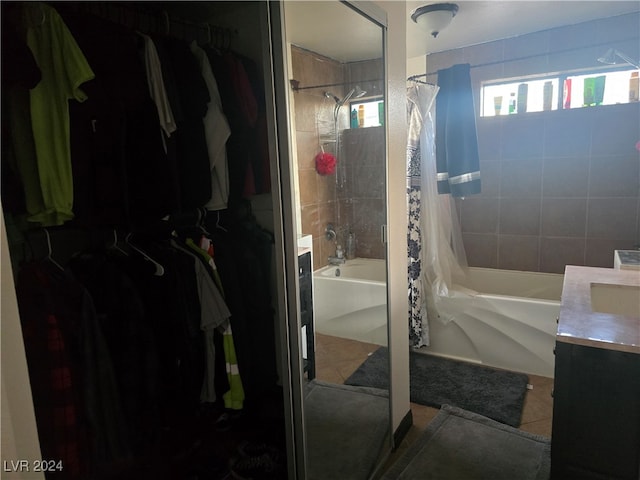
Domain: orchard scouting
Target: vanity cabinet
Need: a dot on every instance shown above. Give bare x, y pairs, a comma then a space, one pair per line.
596, 414
596, 395
306, 313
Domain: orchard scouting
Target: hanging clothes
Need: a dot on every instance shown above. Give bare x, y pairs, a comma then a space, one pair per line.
191, 148
214, 314
64, 69
240, 107
157, 89
458, 161
243, 257
121, 173
129, 338
217, 133
20, 73
92, 432
55, 380
234, 398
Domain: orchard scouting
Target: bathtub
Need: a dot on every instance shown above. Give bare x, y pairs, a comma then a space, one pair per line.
350, 300
500, 318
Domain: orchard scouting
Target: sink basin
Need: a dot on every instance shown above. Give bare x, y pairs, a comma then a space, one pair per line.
615, 299
626, 259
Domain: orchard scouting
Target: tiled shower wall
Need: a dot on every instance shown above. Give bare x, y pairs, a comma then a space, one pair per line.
558, 187
317, 193
362, 202
320, 203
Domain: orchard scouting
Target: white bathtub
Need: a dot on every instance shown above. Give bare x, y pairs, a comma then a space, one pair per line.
350, 300
500, 318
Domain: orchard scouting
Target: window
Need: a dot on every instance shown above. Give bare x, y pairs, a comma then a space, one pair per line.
519, 97
373, 113
601, 89
559, 92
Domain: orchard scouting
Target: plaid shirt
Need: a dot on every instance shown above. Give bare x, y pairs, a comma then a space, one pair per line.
54, 383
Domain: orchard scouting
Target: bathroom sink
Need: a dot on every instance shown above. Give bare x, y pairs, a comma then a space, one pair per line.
616, 299
626, 259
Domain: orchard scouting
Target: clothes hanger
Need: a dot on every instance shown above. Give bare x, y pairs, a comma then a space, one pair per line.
115, 243
218, 226
159, 268
167, 23
50, 251
202, 217
34, 15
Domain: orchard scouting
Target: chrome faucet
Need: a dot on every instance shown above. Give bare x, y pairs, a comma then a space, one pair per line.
330, 232
336, 260
339, 258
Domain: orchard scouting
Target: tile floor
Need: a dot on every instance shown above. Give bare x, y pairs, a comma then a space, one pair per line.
337, 358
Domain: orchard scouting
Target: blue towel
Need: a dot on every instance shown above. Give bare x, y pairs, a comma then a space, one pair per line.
457, 159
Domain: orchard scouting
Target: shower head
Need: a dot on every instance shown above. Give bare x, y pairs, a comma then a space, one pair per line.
331, 95
609, 58
356, 92
612, 55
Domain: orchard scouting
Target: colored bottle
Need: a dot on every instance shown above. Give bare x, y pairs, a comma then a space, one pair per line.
361, 116
589, 92
566, 95
547, 95
598, 89
351, 246
523, 90
354, 118
497, 104
634, 87
381, 113
512, 103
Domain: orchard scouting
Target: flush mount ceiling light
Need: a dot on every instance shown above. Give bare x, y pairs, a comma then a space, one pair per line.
435, 17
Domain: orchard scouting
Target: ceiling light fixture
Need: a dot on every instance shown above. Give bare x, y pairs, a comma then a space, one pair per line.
435, 17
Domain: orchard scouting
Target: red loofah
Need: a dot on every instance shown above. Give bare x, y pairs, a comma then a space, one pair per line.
325, 163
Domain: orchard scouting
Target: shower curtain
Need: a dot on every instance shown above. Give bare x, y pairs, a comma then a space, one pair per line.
436, 257
420, 142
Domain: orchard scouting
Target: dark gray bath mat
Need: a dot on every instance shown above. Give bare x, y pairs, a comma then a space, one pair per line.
458, 444
347, 430
435, 381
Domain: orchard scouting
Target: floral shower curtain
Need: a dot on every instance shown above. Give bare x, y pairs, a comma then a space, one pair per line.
420, 143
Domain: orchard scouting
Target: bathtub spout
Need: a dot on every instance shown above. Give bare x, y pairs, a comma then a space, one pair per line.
336, 260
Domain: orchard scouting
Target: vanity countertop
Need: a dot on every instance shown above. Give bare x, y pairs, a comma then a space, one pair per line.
580, 324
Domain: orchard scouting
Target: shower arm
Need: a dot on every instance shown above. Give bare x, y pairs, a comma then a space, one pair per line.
609, 58
627, 59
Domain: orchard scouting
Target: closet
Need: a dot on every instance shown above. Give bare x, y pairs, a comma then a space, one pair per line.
136, 193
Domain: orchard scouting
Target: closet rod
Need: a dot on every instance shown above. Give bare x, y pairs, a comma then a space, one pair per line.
159, 21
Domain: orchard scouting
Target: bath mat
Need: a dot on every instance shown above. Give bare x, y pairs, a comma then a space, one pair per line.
458, 444
347, 430
435, 381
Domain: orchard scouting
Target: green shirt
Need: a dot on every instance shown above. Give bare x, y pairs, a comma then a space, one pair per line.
64, 68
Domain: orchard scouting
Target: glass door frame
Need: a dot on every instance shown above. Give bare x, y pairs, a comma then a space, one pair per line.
285, 222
